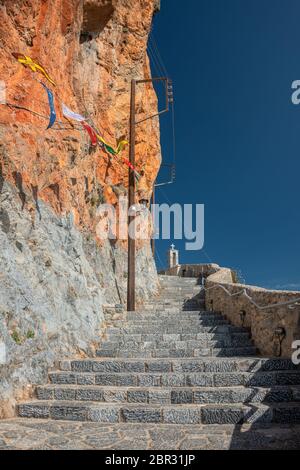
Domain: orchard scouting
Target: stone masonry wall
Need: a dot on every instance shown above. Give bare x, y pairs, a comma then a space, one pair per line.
192, 270
261, 322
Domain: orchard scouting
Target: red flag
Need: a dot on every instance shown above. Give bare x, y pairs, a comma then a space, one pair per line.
91, 133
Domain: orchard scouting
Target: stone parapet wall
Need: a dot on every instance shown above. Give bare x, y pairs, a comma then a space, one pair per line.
262, 323
191, 270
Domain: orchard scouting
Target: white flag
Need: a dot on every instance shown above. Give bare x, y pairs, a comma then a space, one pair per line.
2, 92
2, 353
69, 114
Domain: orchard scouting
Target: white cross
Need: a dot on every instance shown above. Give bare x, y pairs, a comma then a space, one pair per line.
172, 247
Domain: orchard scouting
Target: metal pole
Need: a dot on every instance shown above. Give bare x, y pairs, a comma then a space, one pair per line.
131, 202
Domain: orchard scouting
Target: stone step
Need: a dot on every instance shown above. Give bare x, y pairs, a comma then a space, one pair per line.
170, 317
128, 342
176, 315
180, 323
179, 299
170, 396
176, 329
219, 329
181, 281
183, 295
174, 289
163, 353
176, 379
188, 298
173, 308
160, 337
189, 345
158, 325
195, 307
155, 330
183, 298
236, 364
167, 342
168, 414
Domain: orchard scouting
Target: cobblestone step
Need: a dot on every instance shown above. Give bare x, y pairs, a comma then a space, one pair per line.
116, 336
180, 322
176, 414
182, 317
168, 307
168, 395
175, 379
176, 344
219, 329
161, 325
160, 313
176, 315
167, 330
250, 365
174, 300
163, 353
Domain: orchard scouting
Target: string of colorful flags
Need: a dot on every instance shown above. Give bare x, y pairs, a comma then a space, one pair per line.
94, 136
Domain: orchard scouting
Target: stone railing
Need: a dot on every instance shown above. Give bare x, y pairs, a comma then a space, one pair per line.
273, 329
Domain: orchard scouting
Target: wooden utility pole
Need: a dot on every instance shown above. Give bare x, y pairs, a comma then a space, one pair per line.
153, 218
131, 184
131, 202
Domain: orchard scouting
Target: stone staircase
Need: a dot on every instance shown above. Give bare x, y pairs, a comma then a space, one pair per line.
172, 362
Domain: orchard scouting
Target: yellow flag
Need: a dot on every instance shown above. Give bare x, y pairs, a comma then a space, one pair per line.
121, 145
32, 64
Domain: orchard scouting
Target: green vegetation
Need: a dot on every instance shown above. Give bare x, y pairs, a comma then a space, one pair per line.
30, 334
16, 337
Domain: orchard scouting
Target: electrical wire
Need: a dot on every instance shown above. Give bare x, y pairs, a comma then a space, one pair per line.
160, 60
159, 66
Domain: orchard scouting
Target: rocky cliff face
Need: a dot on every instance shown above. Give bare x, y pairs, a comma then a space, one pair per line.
55, 273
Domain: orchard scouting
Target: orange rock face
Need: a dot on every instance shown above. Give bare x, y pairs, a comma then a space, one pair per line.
91, 49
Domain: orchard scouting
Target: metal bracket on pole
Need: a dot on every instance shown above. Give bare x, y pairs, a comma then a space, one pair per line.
173, 172
167, 93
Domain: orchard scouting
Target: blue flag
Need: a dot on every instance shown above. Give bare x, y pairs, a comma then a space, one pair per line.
51, 105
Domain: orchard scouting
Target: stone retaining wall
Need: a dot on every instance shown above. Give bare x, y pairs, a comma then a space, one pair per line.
262, 323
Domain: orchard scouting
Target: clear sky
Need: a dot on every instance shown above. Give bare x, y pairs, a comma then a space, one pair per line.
238, 134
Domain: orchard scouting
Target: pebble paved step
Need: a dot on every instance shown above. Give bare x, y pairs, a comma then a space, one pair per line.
159, 315
170, 395
179, 365
178, 344
162, 353
167, 330
176, 379
182, 322
219, 329
238, 337
172, 362
179, 318
176, 414
167, 307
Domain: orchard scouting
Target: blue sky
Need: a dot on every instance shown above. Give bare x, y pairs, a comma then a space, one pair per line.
238, 134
